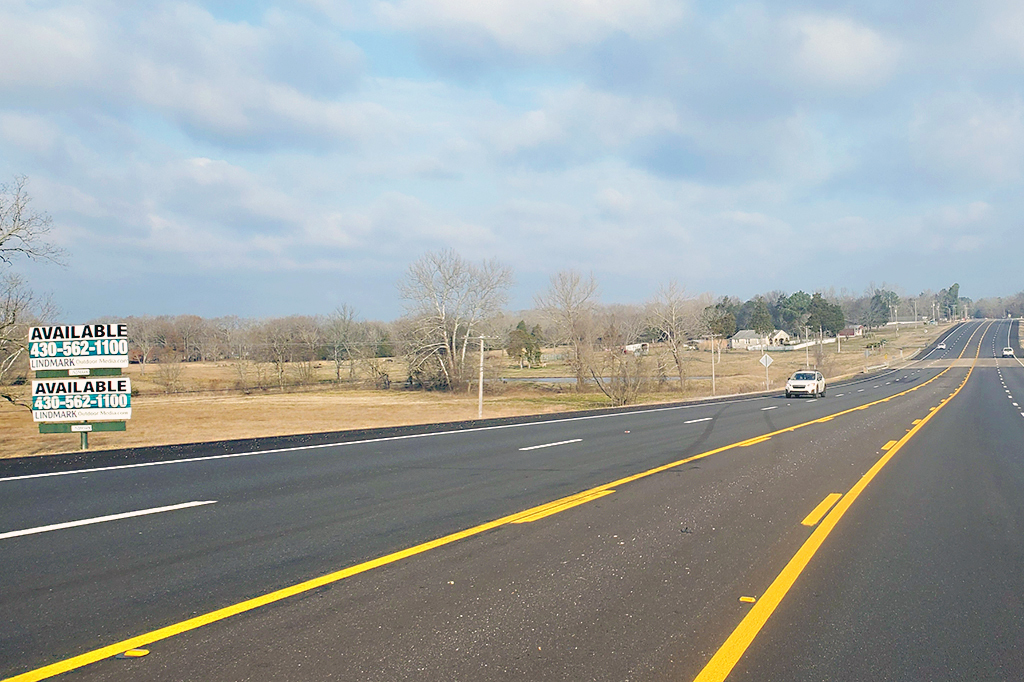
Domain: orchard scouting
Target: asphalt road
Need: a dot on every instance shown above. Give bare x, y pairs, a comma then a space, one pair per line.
917, 577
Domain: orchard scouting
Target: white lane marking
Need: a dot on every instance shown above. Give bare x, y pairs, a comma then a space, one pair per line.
694, 421
1016, 405
773, 407
551, 445
874, 387
103, 519
366, 441
840, 395
887, 383
860, 390
813, 400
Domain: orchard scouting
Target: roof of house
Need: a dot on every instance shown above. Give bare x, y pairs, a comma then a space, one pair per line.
747, 334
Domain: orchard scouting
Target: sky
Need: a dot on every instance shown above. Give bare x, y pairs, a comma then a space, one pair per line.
265, 159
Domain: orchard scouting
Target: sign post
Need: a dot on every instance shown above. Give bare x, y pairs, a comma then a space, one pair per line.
78, 386
766, 360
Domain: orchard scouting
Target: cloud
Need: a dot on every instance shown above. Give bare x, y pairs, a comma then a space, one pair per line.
963, 137
837, 52
284, 81
531, 27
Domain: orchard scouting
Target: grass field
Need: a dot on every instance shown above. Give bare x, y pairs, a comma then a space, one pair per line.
207, 404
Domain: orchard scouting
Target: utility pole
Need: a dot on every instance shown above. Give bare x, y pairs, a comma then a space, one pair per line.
480, 389
711, 337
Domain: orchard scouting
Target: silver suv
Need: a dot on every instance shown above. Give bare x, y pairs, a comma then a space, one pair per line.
806, 382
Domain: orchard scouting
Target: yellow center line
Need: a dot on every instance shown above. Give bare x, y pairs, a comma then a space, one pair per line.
174, 629
888, 445
726, 658
819, 512
530, 518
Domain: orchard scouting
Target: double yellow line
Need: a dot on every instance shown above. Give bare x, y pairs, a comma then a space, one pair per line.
526, 516
722, 663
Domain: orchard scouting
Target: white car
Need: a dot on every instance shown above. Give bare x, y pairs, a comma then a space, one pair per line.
1007, 352
941, 346
806, 382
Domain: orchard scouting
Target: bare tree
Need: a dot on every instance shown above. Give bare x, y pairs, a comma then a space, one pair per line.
309, 337
447, 298
189, 329
143, 335
19, 309
569, 304
343, 334
23, 233
169, 371
621, 370
676, 318
240, 343
278, 338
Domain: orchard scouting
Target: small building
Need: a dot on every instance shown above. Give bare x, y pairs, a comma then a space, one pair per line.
748, 339
745, 339
852, 331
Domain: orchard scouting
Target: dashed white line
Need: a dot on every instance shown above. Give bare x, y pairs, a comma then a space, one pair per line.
773, 407
103, 519
694, 421
551, 445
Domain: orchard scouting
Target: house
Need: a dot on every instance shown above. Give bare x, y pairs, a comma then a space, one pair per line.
744, 339
748, 339
852, 330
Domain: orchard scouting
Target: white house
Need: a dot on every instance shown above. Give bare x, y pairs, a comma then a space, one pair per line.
748, 339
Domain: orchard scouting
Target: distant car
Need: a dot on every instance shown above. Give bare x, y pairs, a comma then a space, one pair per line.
1007, 352
806, 382
941, 346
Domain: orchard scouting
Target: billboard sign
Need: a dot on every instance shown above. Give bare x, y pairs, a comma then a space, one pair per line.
78, 346
71, 399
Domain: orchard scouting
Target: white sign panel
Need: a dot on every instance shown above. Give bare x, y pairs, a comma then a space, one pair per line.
72, 399
79, 345
766, 360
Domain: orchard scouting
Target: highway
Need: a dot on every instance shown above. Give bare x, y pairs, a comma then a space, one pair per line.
665, 543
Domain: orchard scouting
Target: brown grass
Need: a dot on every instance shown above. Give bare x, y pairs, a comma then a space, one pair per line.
214, 409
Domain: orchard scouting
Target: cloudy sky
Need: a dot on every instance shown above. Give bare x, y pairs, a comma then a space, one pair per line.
265, 159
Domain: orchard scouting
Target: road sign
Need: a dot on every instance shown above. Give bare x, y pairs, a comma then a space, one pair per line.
73, 399
766, 360
75, 346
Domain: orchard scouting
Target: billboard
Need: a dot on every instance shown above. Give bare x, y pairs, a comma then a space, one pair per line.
69, 399
78, 346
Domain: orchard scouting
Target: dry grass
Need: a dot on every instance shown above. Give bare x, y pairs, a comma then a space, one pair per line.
215, 410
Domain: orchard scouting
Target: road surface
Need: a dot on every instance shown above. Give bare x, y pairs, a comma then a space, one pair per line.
871, 534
